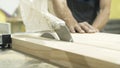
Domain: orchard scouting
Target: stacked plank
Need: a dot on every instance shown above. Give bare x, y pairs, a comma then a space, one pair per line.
99, 50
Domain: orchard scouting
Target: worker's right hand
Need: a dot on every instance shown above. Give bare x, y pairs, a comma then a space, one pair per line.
82, 27
74, 28
87, 27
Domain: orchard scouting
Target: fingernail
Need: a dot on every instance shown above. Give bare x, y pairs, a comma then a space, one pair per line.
73, 32
82, 31
97, 30
91, 31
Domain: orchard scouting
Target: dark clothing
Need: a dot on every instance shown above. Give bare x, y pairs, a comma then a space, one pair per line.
84, 10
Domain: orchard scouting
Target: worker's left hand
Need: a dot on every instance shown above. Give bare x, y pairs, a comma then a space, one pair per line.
87, 27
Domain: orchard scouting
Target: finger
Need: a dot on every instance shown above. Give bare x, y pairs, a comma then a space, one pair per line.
91, 28
79, 30
72, 30
97, 30
85, 28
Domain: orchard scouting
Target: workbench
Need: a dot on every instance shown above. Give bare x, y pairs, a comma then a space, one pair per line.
99, 50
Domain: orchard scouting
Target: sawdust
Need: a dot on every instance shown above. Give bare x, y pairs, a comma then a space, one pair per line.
13, 59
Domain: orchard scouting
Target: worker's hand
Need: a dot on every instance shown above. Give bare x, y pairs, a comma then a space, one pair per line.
87, 28
82, 27
74, 27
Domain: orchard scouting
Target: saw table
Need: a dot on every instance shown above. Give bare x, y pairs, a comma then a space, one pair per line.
99, 50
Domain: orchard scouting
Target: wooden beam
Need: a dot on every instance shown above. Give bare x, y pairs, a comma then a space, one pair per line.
84, 52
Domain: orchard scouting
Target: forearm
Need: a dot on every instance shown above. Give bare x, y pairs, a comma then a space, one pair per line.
63, 12
103, 15
101, 19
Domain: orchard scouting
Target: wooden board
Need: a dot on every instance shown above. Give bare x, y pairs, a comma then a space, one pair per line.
102, 40
98, 50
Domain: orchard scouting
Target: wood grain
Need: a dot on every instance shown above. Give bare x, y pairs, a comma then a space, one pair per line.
98, 50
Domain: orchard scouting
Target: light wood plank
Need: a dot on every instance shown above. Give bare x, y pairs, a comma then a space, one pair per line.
72, 55
102, 40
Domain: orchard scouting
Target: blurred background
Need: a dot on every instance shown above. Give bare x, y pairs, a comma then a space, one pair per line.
113, 25
10, 13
